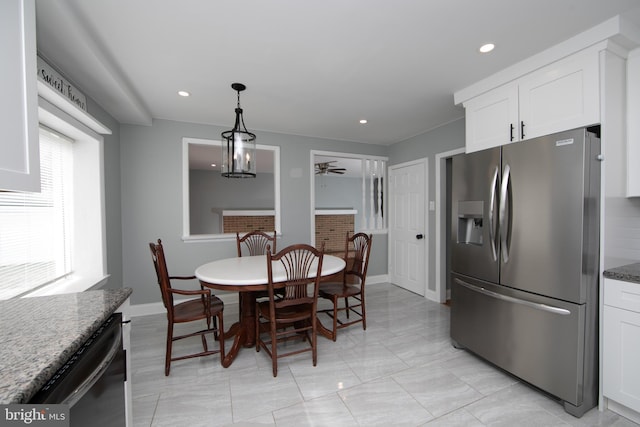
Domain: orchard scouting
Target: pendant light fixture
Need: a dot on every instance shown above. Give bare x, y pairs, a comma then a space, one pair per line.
238, 146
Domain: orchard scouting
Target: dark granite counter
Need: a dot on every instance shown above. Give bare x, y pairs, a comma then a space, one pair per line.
627, 273
39, 334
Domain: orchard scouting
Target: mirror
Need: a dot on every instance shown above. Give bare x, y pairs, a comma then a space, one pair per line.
216, 207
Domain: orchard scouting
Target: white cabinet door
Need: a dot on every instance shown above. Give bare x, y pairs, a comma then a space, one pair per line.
621, 353
561, 96
633, 124
20, 160
492, 118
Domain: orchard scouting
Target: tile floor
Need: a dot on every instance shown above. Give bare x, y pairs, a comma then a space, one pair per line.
401, 371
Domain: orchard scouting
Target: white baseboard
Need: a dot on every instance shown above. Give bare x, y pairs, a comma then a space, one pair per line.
431, 295
623, 410
381, 278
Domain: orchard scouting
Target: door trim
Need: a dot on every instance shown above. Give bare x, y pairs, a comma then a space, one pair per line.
441, 245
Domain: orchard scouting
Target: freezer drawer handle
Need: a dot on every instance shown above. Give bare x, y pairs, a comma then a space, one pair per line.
537, 306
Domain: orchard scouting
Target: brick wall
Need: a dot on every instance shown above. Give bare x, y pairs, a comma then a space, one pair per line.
232, 224
332, 230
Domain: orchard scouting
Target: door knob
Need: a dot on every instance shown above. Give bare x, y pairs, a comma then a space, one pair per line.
419, 236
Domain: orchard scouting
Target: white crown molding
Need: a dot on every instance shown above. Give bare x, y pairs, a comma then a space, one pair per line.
105, 79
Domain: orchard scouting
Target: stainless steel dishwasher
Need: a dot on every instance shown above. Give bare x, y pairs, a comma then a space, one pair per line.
91, 382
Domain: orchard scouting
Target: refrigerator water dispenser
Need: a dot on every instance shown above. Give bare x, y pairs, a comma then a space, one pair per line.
470, 222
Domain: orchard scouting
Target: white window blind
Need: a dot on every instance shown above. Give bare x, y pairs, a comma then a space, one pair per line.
36, 228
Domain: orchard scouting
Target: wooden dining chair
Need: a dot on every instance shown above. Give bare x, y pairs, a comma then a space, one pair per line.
255, 243
352, 285
297, 307
205, 307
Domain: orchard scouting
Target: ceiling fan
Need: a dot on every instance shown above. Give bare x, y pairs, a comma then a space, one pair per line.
325, 168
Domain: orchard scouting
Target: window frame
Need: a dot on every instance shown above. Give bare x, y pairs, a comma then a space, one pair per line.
89, 234
367, 193
186, 229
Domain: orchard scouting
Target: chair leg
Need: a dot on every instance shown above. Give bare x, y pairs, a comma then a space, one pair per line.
167, 359
257, 328
335, 317
274, 348
205, 347
364, 312
216, 333
346, 305
220, 333
314, 339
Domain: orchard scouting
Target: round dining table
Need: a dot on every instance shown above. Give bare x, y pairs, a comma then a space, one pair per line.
248, 275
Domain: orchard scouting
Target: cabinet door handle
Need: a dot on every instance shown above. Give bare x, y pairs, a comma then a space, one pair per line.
511, 132
521, 129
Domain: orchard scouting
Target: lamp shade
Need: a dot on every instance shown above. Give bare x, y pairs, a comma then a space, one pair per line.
238, 146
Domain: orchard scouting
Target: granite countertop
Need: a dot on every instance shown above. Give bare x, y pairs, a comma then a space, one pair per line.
39, 334
627, 273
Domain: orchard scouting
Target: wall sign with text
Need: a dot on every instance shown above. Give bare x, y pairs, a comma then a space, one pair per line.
52, 78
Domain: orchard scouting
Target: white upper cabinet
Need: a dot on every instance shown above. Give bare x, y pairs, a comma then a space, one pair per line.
563, 95
633, 124
492, 118
20, 160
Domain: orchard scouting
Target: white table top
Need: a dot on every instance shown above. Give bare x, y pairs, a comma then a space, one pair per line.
252, 270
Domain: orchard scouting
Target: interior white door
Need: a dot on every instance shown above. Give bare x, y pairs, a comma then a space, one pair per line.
407, 230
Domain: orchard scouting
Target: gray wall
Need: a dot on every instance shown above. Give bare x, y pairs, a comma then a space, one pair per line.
209, 189
442, 139
151, 183
339, 192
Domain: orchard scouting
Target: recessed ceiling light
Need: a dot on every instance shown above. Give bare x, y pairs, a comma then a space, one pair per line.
213, 165
486, 48
183, 93
363, 121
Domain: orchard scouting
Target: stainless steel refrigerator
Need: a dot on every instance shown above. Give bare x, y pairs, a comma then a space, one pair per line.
524, 261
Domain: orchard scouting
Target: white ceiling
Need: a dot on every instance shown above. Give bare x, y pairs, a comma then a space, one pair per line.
312, 67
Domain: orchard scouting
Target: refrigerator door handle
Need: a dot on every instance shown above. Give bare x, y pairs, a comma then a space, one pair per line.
503, 215
492, 226
534, 305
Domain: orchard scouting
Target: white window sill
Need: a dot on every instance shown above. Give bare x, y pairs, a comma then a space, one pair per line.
70, 285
